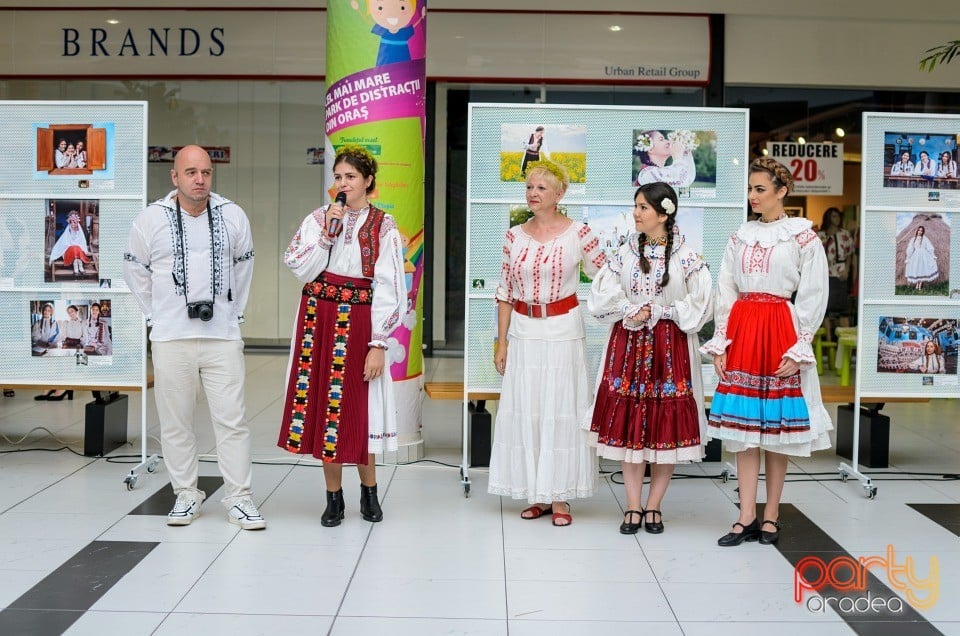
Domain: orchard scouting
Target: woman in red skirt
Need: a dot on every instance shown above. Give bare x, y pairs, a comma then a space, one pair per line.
769, 394
339, 404
649, 405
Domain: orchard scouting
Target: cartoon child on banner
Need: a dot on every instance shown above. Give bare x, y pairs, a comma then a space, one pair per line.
395, 23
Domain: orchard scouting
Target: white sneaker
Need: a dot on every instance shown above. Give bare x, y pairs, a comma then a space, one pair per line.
185, 510
244, 513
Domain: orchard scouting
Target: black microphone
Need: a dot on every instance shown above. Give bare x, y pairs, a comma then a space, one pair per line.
335, 223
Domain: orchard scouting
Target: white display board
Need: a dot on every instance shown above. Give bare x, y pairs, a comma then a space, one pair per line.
85, 160
909, 327
601, 148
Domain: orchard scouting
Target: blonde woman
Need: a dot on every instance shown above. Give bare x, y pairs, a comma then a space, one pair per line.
539, 450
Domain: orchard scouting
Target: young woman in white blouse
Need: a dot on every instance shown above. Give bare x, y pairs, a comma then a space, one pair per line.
768, 397
339, 404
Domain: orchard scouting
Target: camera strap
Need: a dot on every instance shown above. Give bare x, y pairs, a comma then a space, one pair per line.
183, 249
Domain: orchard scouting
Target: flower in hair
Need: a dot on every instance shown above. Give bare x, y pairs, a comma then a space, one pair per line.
668, 206
552, 168
355, 150
644, 142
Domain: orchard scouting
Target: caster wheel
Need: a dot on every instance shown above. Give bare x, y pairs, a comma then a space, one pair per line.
130, 481
466, 490
872, 492
844, 477
152, 467
725, 477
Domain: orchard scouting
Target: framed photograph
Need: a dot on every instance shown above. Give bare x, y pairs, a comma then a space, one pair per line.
71, 241
71, 150
797, 211
917, 345
71, 327
920, 160
923, 254
522, 145
686, 159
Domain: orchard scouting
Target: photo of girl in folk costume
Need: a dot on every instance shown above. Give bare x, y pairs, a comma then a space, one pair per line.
339, 404
72, 246
921, 260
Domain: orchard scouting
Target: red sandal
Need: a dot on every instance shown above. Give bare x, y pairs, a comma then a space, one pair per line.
565, 517
535, 512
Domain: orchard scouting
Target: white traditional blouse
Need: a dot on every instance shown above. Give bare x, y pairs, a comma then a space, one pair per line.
311, 252
621, 289
540, 273
947, 169
212, 266
903, 169
679, 174
779, 258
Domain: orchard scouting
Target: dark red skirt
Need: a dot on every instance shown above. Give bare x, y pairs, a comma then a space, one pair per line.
645, 398
325, 408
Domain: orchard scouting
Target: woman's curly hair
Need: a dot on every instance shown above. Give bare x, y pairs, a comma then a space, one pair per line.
361, 159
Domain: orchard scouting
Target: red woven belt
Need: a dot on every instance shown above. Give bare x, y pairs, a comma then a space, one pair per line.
556, 308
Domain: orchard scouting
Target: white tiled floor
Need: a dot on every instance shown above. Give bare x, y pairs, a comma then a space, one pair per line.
441, 563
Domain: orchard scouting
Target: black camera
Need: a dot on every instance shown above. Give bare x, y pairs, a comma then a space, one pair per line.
202, 309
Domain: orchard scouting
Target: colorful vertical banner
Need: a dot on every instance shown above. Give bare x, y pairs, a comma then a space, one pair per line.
376, 97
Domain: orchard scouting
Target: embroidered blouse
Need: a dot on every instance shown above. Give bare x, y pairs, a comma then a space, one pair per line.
310, 250
621, 289
777, 258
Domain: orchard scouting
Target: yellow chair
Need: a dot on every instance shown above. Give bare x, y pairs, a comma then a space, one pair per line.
819, 345
849, 343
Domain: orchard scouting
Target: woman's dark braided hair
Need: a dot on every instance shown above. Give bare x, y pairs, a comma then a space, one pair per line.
778, 172
655, 194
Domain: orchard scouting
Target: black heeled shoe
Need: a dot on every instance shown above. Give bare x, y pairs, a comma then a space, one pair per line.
769, 538
627, 527
369, 505
749, 532
653, 527
56, 398
333, 514
45, 396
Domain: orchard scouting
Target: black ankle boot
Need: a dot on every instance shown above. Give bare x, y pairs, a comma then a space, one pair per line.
369, 506
333, 515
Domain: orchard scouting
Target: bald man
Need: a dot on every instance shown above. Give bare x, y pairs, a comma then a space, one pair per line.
189, 262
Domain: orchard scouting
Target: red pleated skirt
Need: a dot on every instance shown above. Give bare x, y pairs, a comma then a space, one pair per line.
752, 405
645, 399
325, 407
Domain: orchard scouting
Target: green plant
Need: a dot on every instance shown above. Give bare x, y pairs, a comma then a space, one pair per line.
942, 54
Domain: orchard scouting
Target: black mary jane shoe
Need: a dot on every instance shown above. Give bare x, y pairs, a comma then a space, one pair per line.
750, 532
653, 527
769, 538
627, 527
333, 515
369, 505
44, 396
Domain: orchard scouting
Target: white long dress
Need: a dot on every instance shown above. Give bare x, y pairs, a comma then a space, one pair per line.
778, 258
921, 261
539, 452
311, 253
